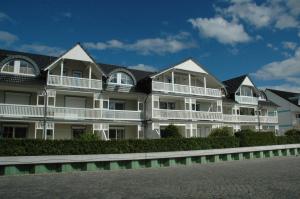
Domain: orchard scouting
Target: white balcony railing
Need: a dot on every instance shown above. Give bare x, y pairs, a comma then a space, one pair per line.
69, 113
121, 115
16, 110
184, 114
249, 118
246, 100
268, 119
74, 82
66, 113
185, 89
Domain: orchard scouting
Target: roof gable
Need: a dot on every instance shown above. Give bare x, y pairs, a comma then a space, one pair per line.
247, 82
190, 65
289, 96
77, 53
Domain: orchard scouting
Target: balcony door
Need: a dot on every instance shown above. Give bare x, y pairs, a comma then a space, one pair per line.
116, 133
17, 98
116, 105
76, 102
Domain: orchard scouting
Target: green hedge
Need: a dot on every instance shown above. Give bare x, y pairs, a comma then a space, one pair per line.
252, 138
11, 147
74, 147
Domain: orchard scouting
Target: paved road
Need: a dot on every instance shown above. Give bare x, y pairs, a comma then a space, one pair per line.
260, 178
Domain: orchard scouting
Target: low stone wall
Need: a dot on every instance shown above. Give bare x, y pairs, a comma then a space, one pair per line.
13, 165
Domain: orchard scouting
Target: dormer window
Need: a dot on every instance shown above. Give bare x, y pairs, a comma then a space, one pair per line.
121, 78
19, 66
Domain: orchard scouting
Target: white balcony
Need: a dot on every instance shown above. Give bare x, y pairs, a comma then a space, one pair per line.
250, 118
186, 115
185, 89
246, 100
66, 113
21, 111
121, 115
74, 82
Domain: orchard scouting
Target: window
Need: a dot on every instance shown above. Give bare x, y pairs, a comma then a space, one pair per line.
41, 100
116, 134
141, 106
246, 91
105, 104
77, 74
167, 105
113, 105
298, 115
97, 104
77, 132
121, 78
14, 132
51, 101
18, 66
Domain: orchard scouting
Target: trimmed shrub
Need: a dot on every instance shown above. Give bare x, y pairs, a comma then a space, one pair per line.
172, 131
75, 147
221, 132
251, 138
292, 132
88, 137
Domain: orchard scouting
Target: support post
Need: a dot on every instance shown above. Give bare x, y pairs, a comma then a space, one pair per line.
61, 71
204, 83
173, 80
90, 76
190, 83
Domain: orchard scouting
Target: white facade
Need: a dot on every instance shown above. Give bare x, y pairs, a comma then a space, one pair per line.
77, 97
288, 113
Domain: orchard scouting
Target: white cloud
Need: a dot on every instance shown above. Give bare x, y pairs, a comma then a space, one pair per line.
280, 13
294, 6
5, 17
220, 29
281, 70
269, 45
258, 16
168, 44
286, 21
66, 14
143, 67
42, 49
7, 38
282, 87
289, 45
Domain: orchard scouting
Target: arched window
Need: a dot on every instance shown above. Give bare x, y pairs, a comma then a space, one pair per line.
121, 78
18, 66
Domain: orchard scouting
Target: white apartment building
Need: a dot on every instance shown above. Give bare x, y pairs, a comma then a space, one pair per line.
288, 110
72, 94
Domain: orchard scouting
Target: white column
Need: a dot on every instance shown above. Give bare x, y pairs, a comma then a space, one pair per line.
190, 83
61, 70
173, 80
52, 134
90, 75
35, 130
204, 83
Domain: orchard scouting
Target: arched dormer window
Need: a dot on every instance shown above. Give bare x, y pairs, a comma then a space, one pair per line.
121, 78
19, 66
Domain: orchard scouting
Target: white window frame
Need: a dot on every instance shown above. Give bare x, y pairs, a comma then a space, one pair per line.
17, 66
119, 79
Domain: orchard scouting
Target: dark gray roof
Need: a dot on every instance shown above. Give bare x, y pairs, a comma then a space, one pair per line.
233, 84
19, 79
289, 96
228, 100
138, 74
267, 103
43, 61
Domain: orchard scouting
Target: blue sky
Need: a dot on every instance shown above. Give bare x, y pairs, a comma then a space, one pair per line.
229, 38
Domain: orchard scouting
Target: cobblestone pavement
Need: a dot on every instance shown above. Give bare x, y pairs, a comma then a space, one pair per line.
260, 178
